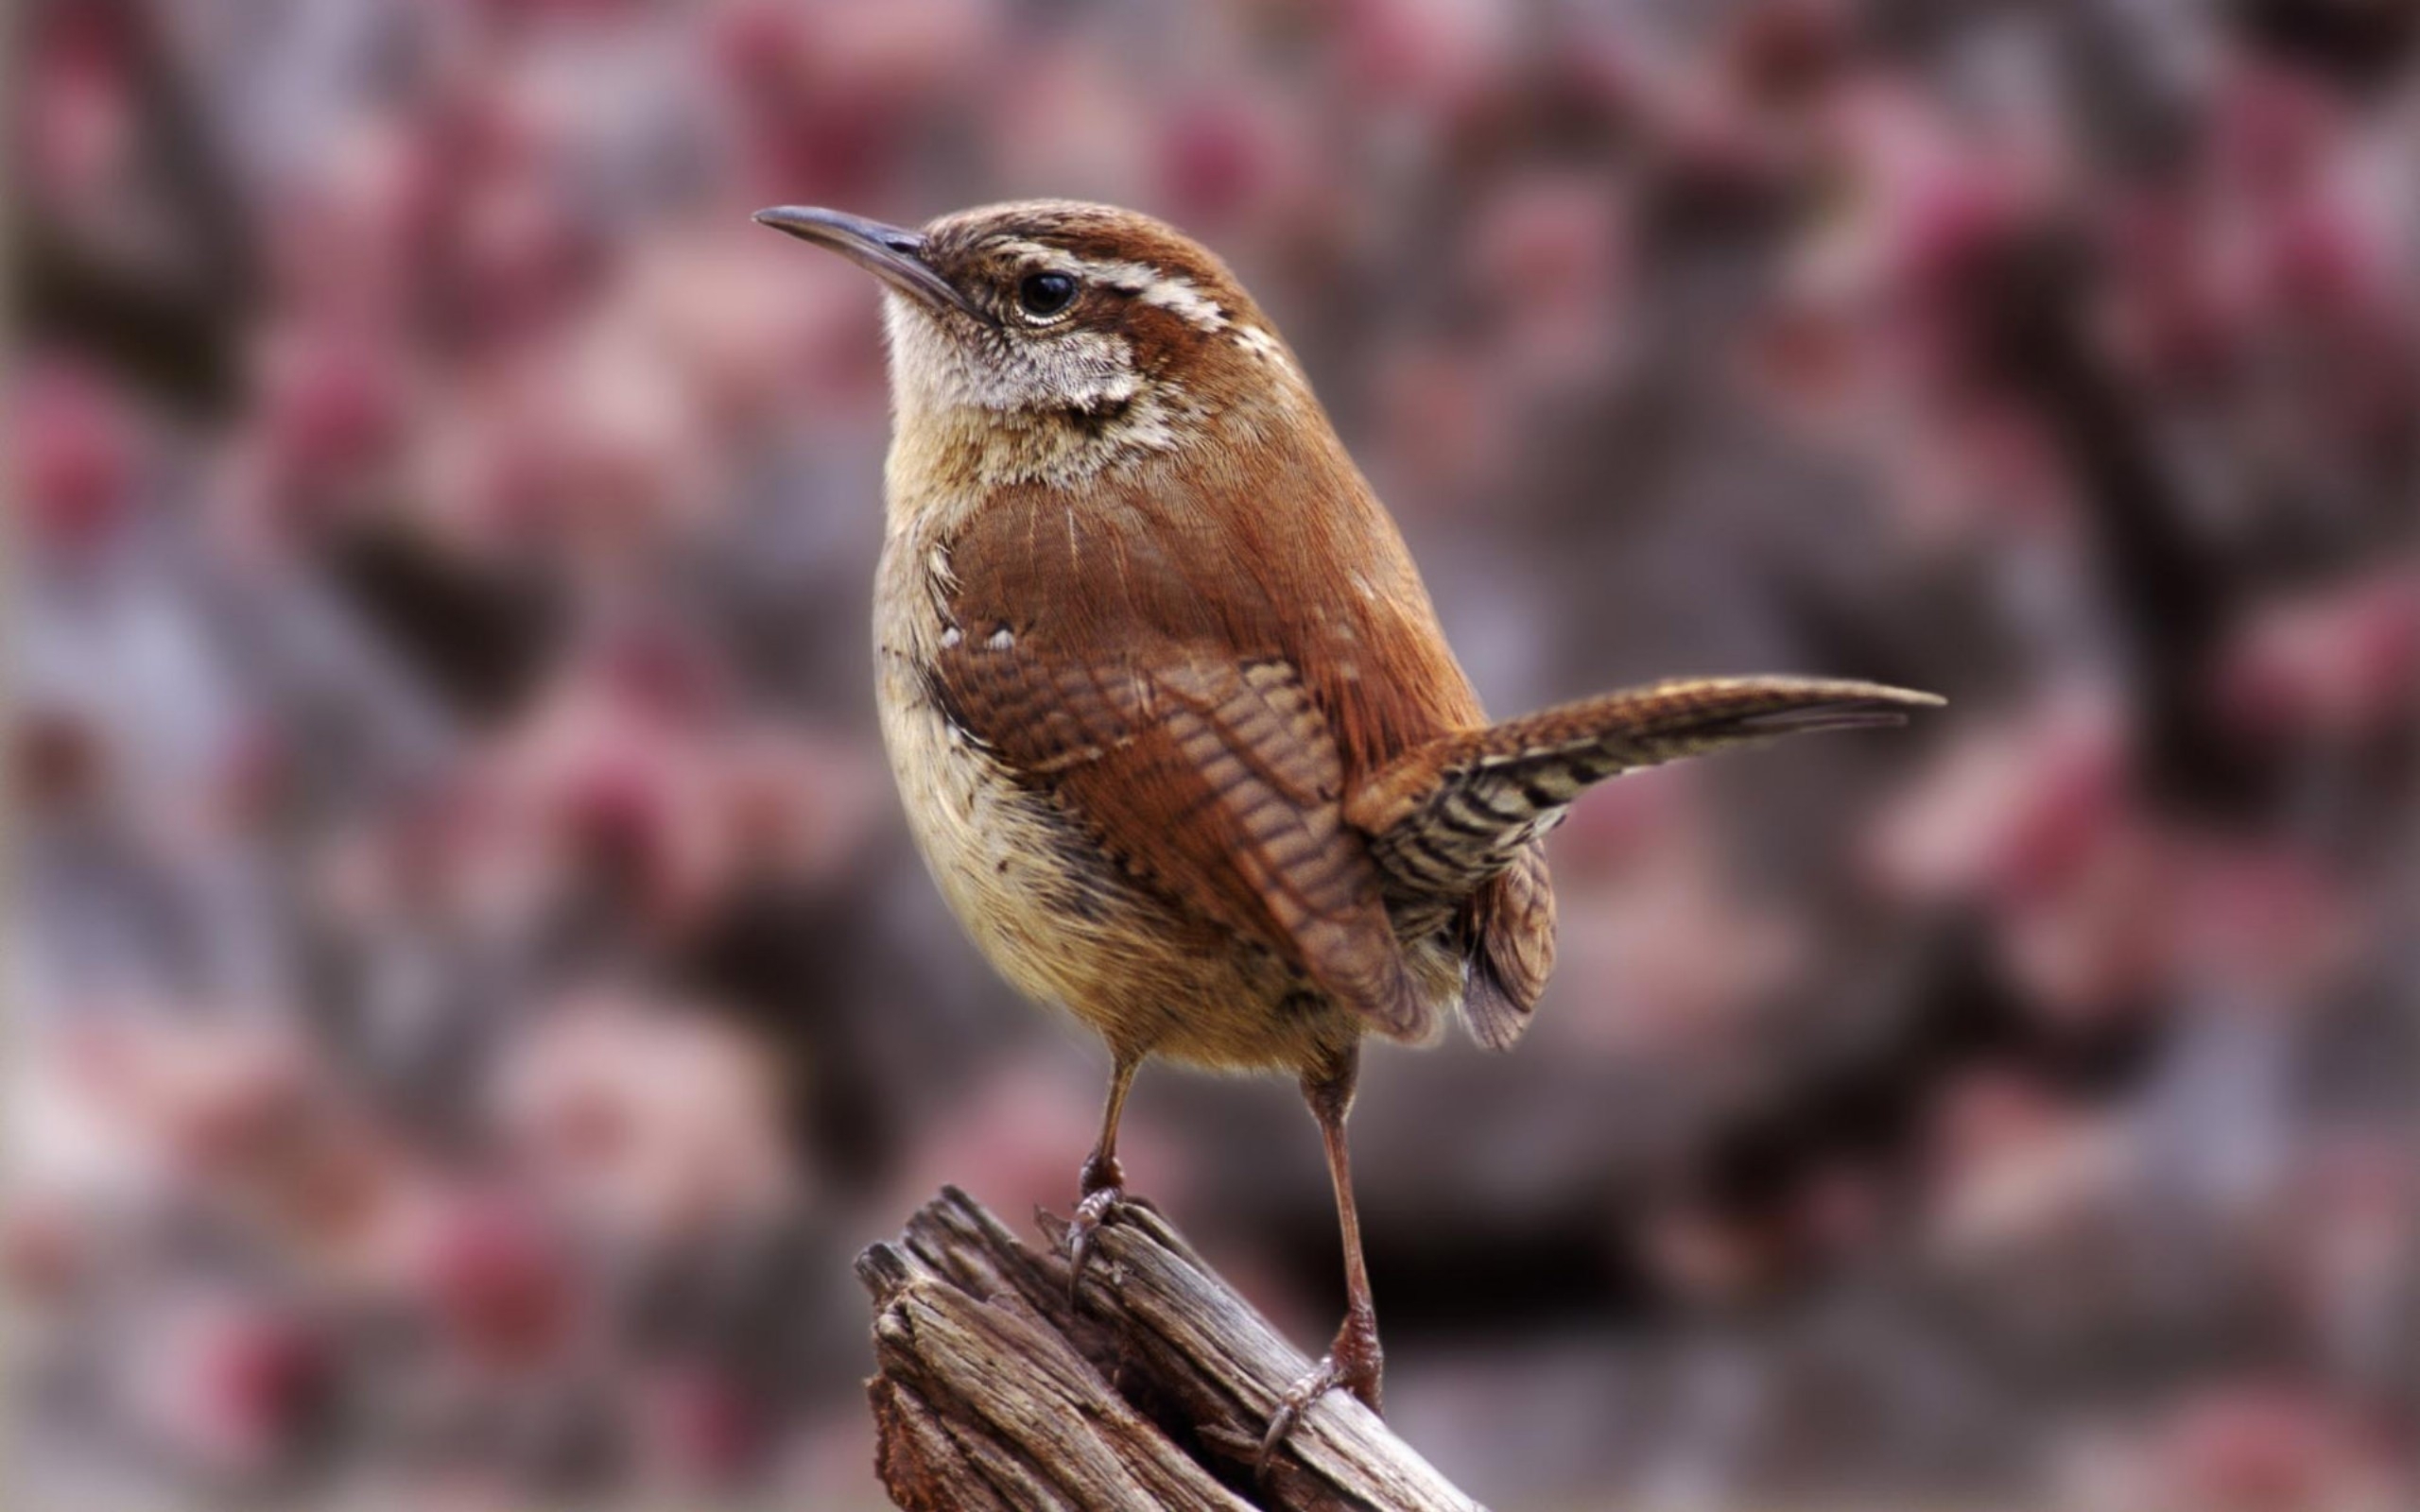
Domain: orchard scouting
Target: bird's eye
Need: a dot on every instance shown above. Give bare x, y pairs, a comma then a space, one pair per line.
1045, 294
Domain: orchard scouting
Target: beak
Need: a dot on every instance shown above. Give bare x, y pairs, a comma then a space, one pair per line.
890, 253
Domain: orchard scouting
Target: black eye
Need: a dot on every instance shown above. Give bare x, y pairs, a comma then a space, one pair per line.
1046, 293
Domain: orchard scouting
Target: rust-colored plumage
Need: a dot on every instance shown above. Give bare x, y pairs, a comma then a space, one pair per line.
1175, 724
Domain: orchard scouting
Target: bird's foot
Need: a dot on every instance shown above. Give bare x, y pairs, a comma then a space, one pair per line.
1103, 1185
1096, 1210
1354, 1362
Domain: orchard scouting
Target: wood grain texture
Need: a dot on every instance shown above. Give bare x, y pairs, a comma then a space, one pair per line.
995, 1390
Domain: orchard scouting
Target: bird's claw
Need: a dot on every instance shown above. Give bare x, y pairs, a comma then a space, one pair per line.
1323, 1378
1352, 1363
1092, 1212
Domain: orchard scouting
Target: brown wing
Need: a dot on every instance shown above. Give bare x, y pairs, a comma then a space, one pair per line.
1168, 721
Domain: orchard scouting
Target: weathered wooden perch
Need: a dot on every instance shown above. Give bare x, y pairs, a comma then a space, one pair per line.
994, 1391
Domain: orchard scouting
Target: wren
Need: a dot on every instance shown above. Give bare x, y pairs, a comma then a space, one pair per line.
1175, 725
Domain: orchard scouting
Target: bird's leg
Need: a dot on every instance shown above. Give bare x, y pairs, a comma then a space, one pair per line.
1103, 1180
1354, 1360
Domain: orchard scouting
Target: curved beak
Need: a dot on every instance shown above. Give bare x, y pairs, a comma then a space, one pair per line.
890, 253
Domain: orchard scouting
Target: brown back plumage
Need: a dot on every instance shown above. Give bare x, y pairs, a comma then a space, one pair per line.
1158, 685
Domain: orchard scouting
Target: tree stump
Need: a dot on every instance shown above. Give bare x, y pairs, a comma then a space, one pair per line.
995, 1389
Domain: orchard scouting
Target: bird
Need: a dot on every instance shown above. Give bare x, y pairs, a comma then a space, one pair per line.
1172, 717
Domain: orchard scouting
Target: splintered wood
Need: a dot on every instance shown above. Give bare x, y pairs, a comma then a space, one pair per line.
995, 1390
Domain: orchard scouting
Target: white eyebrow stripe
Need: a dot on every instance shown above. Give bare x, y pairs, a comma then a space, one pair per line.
1172, 292
1182, 296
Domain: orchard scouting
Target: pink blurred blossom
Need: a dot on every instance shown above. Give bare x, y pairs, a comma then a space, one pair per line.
71, 461
502, 1286
2338, 664
229, 1384
663, 1125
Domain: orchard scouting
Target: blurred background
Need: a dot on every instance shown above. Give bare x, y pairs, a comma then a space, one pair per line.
471, 993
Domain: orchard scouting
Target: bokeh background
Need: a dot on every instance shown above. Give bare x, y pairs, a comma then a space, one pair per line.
470, 993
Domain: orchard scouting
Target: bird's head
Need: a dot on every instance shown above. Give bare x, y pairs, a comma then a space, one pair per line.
1067, 337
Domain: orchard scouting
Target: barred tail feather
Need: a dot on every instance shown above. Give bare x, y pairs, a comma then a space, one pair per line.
1445, 818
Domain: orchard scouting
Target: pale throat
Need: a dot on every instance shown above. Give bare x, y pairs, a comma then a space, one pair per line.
975, 412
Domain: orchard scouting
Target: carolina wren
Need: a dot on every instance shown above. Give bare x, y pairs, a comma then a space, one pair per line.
1176, 727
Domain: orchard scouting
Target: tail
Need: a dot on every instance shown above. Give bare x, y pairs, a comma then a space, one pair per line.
1446, 818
